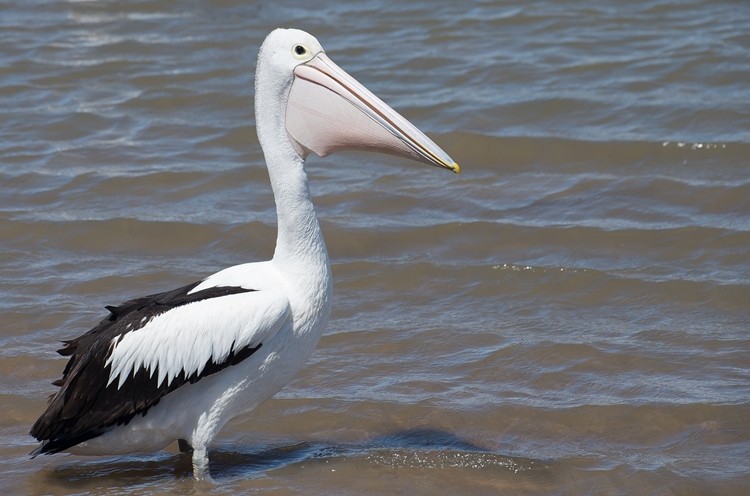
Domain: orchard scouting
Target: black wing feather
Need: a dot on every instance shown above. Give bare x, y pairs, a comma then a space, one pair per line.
85, 406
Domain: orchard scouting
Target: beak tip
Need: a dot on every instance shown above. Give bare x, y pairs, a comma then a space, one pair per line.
456, 168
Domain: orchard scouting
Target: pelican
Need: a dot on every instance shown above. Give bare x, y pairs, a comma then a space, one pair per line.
178, 365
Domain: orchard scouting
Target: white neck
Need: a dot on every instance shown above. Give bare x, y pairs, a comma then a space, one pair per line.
299, 238
299, 245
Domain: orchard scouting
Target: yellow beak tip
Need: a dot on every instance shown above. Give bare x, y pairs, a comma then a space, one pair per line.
456, 168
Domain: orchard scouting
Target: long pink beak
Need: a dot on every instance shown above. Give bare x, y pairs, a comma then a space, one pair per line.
328, 110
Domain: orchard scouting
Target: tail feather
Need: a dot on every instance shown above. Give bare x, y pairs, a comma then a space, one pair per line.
56, 445
37, 451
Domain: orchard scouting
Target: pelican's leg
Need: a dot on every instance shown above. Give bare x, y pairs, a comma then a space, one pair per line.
184, 446
200, 464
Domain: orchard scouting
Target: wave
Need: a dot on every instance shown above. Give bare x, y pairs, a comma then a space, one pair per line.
524, 153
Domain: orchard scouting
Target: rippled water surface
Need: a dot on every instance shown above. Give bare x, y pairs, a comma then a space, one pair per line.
571, 315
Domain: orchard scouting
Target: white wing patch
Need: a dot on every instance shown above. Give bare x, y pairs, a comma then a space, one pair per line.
185, 338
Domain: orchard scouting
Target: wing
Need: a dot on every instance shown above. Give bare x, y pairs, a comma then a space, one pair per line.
149, 347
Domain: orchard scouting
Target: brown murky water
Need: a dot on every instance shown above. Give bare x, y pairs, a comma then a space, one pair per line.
571, 315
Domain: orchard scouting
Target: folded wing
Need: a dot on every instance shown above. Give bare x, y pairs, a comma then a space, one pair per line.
149, 347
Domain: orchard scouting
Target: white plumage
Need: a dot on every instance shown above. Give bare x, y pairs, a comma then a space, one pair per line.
178, 365
183, 339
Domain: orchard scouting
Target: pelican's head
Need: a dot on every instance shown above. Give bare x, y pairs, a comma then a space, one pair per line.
325, 109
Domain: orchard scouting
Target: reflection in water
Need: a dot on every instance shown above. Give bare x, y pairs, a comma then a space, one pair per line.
428, 449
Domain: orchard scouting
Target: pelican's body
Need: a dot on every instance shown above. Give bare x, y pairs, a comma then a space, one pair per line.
178, 365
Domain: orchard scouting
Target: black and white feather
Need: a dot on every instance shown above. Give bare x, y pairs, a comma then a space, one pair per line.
147, 348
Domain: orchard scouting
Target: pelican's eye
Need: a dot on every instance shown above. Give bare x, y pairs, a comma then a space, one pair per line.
300, 52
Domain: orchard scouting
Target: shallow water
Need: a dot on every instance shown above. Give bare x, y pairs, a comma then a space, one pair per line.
568, 316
